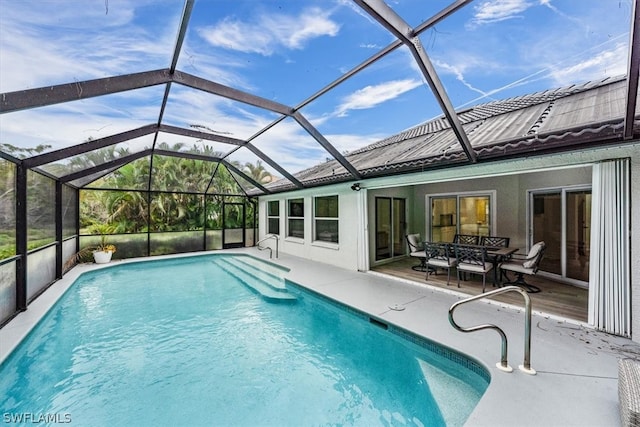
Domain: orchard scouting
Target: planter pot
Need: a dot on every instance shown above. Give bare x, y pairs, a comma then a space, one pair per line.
102, 257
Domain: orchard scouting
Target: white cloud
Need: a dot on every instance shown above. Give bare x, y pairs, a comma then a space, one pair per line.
499, 10
458, 71
370, 96
58, 42
605, 63
270, 32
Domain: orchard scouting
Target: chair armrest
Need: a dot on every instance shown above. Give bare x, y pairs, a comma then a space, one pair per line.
519, 257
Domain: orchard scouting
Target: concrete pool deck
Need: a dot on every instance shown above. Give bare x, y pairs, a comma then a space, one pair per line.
576, 381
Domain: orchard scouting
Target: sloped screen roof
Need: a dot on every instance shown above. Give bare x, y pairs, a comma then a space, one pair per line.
283, 95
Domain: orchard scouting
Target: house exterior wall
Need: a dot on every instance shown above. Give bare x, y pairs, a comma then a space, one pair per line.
506, 191
511, 179
344, 253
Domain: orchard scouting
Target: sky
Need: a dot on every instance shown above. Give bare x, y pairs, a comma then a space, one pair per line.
286, 51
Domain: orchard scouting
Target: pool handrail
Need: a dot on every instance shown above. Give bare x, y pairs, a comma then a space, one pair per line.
503, 365
267, 237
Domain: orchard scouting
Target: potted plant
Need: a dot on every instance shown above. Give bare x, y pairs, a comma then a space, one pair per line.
103, 251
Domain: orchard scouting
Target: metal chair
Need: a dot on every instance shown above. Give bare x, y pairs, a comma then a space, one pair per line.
440, 255
473, 259
466, 239
416, 250
524, 265
495, 241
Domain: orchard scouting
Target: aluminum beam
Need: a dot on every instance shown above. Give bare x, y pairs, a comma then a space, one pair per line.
195, 156
388, 49
403, 31
8, 157
88, 146
40, 97
274, 165
186, 155
245, 176
633, 72
184, 24
205, 85
326, 144
201, 135
382, 53
108, 165
240, 143
21, 237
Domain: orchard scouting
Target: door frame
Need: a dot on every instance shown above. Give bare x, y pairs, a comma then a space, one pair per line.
392, 254
233, 245
563, 229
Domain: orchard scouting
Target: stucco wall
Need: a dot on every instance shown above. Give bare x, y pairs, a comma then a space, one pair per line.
506, 190
343, 254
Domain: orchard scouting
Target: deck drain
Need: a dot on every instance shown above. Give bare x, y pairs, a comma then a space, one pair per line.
397, 307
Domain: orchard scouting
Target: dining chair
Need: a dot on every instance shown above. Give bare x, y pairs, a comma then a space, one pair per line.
473, 259
466, 239
416, 250
440, 255
521, 265
495, 241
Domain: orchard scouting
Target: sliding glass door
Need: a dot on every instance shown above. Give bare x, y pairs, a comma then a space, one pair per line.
562, 219
459, 214
390, 227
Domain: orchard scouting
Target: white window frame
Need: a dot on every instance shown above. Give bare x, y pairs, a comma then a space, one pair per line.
294, 217
270, 217
326, 219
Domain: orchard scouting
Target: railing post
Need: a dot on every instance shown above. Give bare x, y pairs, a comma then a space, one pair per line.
503, 364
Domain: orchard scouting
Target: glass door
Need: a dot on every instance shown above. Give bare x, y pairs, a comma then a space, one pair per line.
390, 227
444, 218
399, 228
562, 219
459, 214
578, 218
547, 227
233, 225
474, 215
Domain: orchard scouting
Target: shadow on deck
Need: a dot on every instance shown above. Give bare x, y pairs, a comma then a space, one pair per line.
555, 298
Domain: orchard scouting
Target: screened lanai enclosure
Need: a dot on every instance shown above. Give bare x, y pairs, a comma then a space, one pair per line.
156, 126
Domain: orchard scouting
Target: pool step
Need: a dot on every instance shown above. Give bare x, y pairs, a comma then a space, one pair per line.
269, 289
271, 275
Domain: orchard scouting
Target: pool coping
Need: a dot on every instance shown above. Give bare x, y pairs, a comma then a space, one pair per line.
576, 382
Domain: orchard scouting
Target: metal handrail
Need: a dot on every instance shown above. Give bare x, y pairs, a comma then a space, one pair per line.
260, 248
503, 364
267, 237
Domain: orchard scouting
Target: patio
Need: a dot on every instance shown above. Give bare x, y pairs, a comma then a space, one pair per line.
555, 298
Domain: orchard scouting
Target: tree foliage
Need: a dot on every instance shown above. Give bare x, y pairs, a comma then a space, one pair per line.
157, 193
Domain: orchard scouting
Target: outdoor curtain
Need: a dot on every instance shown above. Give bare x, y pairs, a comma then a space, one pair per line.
609, 272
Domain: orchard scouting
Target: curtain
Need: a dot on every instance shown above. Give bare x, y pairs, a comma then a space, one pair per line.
609, 272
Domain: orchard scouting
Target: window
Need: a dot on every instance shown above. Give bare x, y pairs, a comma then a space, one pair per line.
273, 217
295, 218
326, 219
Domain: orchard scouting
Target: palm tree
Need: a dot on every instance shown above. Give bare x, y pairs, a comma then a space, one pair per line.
258, 172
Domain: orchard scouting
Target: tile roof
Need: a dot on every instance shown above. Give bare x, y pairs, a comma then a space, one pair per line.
552, 119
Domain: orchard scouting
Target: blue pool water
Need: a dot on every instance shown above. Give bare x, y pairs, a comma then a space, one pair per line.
185, 342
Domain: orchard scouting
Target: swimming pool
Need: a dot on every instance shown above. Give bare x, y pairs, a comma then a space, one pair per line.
128, 345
